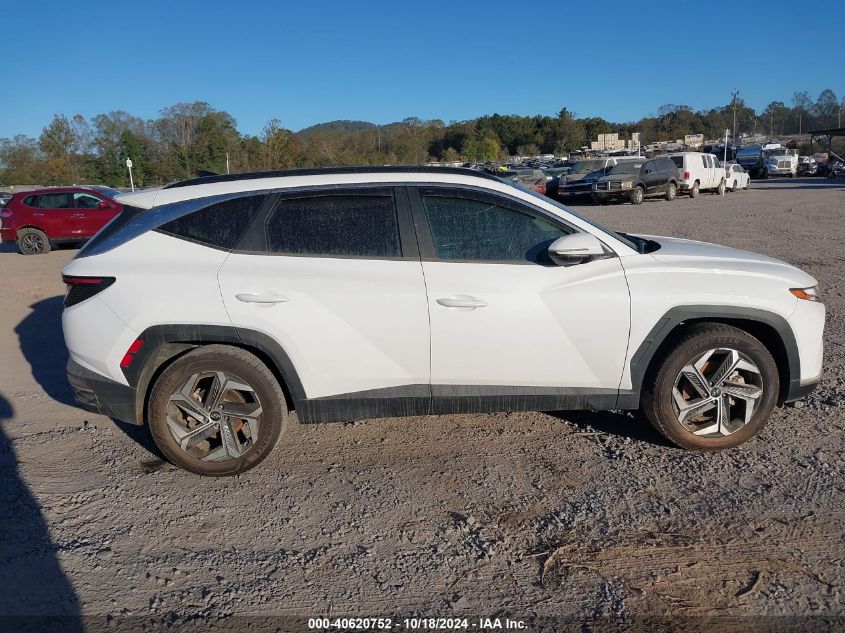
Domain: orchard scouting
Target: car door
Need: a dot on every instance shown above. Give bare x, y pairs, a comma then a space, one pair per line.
654, 177
54, 214
506, 322
90, 215
331, 278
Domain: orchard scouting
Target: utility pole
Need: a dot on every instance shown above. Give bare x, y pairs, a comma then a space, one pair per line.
734, 95
227, 162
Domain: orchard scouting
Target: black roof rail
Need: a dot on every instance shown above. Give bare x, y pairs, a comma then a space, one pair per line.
314, 171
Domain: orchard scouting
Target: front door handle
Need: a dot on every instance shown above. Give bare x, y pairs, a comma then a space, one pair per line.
249, 297
462, 301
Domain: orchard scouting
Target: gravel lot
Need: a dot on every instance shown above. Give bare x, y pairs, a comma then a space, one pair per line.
567, 515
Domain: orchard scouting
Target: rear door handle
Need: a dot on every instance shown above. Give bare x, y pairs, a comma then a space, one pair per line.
248, 297
79, 215
462, 301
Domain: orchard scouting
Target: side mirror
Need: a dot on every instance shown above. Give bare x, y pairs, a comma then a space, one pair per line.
576, 248
104, 205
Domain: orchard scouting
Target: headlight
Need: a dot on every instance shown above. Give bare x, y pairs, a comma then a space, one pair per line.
627, 184
808, 294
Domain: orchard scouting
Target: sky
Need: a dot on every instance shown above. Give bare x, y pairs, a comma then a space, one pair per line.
307, 62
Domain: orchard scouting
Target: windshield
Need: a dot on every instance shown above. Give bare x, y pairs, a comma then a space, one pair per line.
586, 166
628, 167
106, 191
628, 240
777, 152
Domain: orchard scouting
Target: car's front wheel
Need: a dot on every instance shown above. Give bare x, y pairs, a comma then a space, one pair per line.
714, 390
637, 195
217, 410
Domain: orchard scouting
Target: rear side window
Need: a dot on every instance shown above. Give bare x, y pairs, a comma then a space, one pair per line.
679, 161
334, 225
30, 201
219, 225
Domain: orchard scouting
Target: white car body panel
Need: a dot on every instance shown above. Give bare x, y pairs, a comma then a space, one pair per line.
348, 325
180, 288
537, 329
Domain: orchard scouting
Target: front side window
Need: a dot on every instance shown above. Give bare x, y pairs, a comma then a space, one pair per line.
478, 230
54, 201
341, 225
86, 201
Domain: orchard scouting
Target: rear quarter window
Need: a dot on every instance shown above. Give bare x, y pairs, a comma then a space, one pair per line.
219, 225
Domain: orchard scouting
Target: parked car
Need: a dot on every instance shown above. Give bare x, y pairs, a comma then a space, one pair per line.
635, 180
698, 172
835, 169
736, 177
584, 173
36, 220
211, 307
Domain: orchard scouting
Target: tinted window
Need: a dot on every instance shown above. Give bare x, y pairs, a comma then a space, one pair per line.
30, 201
54, 201
340, 225
666, 165
679, 161
467, 229
219, 225
86, 201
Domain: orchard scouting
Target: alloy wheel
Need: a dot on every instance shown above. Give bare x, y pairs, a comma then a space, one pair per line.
717, 394
32, 243
214, 416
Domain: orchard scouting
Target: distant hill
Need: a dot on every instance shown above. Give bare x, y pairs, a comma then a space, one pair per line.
337, 127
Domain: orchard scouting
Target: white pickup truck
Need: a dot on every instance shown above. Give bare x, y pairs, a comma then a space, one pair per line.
698, 172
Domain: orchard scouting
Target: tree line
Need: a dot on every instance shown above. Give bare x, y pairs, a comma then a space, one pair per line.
187, 138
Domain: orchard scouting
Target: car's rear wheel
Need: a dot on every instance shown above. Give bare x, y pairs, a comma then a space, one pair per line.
721, 188
733, 188
671, 191
714, 390
217, 410
637, 195
748, 183
693, 192
33, 242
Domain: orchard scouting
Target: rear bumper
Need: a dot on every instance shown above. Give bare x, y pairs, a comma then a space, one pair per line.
9, 234
98, 394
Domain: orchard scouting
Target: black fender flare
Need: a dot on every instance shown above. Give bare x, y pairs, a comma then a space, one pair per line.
163, 342
734, 315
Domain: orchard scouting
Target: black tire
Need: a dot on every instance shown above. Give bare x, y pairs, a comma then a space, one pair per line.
748, 184
33, 242
671, 191
734, 187
656, 400
694, 190
235, 363
720, 190
637, 195
764, 175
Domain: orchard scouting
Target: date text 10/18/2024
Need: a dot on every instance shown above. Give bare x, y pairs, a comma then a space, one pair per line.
418, 624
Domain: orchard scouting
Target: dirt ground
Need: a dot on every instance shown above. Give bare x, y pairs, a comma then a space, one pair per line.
541, 517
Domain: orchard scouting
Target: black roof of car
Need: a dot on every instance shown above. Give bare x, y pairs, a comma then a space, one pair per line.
315, 171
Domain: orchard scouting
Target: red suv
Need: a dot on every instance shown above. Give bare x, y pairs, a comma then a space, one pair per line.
37, 219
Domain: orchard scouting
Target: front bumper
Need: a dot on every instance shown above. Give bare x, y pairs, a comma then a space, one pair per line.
98, 394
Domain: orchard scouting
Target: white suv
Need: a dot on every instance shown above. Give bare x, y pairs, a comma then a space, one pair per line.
210, 308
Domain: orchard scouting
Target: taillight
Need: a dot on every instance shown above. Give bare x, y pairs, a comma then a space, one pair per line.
81, 288
686, 175
129, 356
5, 213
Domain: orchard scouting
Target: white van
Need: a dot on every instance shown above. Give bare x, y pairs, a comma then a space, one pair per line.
699, 172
